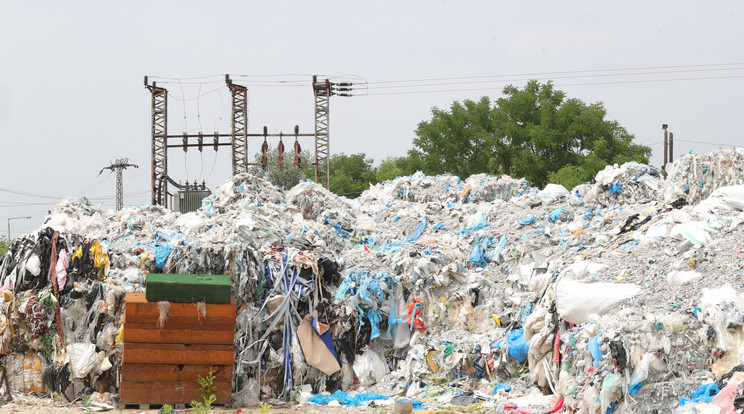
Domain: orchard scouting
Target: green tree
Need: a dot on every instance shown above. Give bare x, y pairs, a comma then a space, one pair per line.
284, 176
389, 169
4, 246
351, 174
534, 132
456, 141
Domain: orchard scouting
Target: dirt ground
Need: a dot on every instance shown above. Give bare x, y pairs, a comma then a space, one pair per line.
33, 405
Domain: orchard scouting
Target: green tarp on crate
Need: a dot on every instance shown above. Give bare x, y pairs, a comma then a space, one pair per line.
188, 288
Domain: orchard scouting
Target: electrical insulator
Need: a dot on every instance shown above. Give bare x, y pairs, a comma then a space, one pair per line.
264, 150
297, 160
281, 150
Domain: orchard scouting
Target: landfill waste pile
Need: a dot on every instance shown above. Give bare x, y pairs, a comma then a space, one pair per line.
698, 175
621, 295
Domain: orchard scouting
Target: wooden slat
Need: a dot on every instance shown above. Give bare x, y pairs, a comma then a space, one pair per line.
169, 373
178, 334
135, 353
169, 392
139, 310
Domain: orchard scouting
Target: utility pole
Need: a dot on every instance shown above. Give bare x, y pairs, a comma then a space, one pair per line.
323, 91
666, 146
671, 147
15, 218
119, 165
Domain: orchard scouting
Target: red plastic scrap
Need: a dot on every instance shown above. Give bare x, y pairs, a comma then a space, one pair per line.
415, 308
557, 349
558, 406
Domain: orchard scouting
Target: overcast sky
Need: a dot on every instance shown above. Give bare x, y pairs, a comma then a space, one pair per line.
72, 97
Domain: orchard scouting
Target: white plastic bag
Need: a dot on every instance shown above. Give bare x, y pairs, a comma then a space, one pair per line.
640, 373
553, 191
694, 231
402, 331
724, 198
369, 368
33, 264
576, 301
82, 359
677, 278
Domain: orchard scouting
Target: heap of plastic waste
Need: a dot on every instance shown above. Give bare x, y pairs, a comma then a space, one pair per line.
621, 294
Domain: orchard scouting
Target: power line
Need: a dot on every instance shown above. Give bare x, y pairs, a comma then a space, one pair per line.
564, 84
6, 190
594, 75
556, 73
113, 197
22, 204
705, 143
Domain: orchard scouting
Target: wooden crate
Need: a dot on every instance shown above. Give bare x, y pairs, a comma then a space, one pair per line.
161, 365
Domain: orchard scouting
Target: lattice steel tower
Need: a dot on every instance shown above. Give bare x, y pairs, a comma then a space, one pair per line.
118, 166
322, 91
239, 126
159, 135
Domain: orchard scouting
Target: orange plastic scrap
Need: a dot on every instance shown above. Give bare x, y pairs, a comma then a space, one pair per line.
415, 308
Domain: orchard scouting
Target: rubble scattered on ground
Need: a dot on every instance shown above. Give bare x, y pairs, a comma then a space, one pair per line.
620, 294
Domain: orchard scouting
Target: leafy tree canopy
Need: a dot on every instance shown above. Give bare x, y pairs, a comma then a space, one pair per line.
283, 176
4, 246
534, 132
351, 174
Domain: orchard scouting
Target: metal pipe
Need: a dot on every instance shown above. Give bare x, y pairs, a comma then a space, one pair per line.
14, 218
230, 135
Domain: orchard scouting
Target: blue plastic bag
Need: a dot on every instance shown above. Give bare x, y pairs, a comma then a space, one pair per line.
501, 386
616, 188
559, 214
594, 345
478, 256
704, 393
482, 224
416, 234
375, 318
208, 205
518, 346
346, 399
161, 255
527, 220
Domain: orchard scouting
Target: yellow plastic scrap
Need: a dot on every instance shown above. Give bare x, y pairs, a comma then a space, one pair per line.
496, 318
120, 336
622, 275
100, 255
78, 253
433, 366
